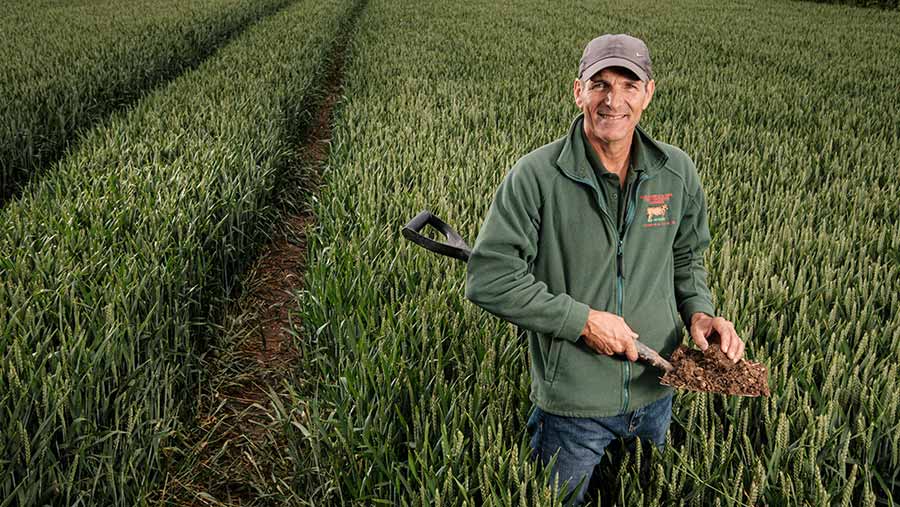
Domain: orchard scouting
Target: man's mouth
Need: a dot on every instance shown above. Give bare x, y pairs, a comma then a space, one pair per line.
612, 116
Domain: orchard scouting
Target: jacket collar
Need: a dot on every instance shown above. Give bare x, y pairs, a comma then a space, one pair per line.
647, 155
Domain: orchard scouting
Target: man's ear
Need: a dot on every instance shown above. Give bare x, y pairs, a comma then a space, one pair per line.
651, 87
576, 92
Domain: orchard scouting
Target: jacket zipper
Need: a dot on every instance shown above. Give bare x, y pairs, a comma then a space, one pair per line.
620, 277
620, 267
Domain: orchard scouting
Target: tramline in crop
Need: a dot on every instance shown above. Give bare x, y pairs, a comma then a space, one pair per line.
113, 265
66, 66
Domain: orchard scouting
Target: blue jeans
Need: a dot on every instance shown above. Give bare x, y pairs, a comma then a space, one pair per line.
581, 441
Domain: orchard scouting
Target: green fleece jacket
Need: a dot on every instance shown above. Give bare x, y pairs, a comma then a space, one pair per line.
550, 249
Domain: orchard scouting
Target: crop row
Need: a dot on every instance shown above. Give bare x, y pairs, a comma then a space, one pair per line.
113, 265
884, 4
417, 397
66, 66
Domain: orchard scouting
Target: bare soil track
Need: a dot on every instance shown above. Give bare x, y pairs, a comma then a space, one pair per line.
235, 455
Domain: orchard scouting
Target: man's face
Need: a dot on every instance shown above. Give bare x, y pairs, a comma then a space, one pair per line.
612, 101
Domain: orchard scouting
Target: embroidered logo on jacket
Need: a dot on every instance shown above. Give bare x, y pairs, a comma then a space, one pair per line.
657, 210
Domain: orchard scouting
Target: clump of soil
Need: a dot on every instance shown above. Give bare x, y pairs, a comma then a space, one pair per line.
711, 371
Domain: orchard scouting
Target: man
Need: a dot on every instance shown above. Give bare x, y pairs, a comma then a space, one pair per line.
593, 241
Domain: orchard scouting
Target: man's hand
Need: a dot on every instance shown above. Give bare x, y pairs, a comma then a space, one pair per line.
702, 326
607, 333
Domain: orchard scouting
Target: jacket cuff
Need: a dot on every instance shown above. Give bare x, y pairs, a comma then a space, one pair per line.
574, 322
690, 308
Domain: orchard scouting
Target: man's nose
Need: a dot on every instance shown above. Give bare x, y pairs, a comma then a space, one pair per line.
610, 100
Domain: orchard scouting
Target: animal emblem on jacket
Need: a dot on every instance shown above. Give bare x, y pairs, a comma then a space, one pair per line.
657, 211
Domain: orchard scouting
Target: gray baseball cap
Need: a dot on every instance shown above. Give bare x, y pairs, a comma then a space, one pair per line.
618, 50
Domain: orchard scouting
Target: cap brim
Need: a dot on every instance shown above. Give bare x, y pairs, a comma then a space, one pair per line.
614, 62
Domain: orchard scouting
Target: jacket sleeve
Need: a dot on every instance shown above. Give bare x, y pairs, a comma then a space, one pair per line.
691, 292
498, 276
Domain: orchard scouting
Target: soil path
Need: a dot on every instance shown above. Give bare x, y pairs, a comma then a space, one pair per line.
236, 457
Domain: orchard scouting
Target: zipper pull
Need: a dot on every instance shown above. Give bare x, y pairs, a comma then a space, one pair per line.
620, 261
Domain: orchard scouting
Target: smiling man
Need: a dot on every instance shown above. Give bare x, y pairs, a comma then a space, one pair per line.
592, 242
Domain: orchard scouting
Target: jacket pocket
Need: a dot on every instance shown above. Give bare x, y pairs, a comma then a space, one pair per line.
553, 354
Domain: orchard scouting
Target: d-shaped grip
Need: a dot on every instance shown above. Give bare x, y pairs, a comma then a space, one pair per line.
455, 246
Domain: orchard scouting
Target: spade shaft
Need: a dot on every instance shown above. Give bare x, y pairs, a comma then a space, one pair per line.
649, 355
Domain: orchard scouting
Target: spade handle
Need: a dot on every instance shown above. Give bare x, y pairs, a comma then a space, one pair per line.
652, 357
453, 246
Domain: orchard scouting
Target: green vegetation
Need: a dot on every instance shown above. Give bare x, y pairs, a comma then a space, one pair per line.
884, 4
414, 396
113, 264
67, 65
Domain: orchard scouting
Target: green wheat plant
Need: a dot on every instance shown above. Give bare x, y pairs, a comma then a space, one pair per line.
67, 65
414, 396
113, 267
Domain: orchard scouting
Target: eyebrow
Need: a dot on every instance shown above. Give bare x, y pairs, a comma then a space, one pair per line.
603, 81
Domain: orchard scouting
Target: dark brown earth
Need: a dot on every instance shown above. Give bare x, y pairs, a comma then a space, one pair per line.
712, 372
237, 456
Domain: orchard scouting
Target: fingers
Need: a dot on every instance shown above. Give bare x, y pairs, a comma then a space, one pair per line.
699, 339
731, 345
631, 350
603, 348
611, 336
614, 345
736, 349
721, 331
619, 345
698, 334
725, 336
